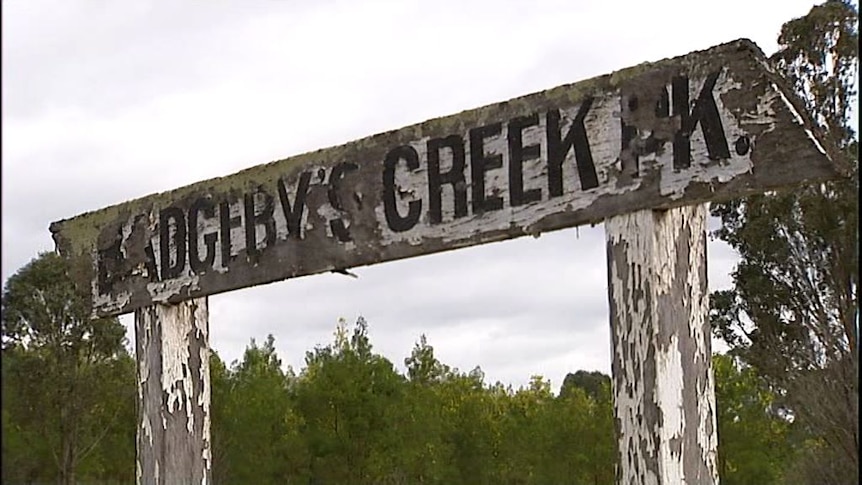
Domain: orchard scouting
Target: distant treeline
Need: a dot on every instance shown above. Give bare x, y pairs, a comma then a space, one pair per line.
349, 417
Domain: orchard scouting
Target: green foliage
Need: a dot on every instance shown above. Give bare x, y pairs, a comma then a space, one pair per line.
346, 397
220, 409
595, 384
754, 438
68, 382
422, 366
792, 313
350, 417
820, 55
260, 434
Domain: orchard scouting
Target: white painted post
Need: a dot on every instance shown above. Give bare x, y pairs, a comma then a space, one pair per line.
664, 400
173, 436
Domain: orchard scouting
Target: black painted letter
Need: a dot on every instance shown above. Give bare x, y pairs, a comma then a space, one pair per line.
391, 193
706, 113
172, 216
518, 153
253, 218
109, 264
454, 177
481, 163
205, 207
226, 223
293, 212
558, 147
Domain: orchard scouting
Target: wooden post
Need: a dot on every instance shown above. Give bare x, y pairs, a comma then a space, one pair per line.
173, 436
664, 400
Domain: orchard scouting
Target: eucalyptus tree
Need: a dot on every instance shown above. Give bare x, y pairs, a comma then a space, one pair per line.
793, 312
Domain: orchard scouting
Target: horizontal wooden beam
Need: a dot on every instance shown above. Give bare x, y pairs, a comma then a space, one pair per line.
711, 125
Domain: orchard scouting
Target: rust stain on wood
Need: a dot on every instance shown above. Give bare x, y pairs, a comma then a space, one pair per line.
710, 125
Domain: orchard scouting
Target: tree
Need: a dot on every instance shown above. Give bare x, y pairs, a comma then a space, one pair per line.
68, 380
792, 313
754, 446
220, 419
424, 423
470, 431
258, 433
586, 427
347, 398
593, 383
422, 366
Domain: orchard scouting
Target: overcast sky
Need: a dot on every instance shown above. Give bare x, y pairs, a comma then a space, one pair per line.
107, 101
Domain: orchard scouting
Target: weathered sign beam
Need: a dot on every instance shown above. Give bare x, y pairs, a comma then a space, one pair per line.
710, 125
173, 432
664, 402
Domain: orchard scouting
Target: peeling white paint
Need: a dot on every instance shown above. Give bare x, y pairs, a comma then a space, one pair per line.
126, 231
632, 344
171, 340
143, 368
329, 213
237, 234
816, 142
111, 302
644, 276
161, 291
602, 123
799, 120
176, 382
204, 378
699, 333
764, 114
674, 182
669, 377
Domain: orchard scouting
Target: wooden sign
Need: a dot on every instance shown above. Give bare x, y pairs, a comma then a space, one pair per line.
711, 125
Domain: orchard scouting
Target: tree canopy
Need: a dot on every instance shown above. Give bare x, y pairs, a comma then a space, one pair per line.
68, 382
792, 313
